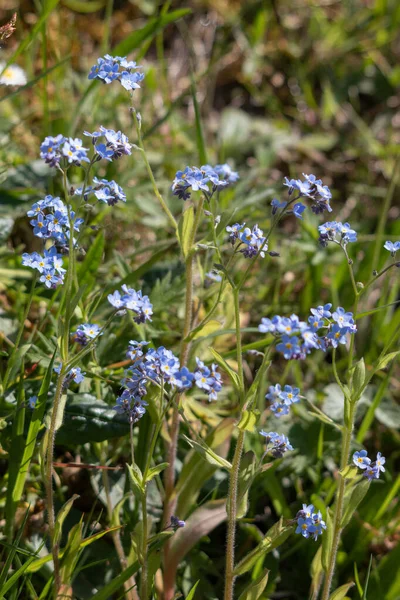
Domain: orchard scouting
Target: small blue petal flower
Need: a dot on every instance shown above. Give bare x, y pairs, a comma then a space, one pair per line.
361, 460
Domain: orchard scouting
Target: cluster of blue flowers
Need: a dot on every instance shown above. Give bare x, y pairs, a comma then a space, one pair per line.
160, 366
134, 301
86, 332
70, 150
51, 220
106, 191
281, 400
324, 329
310, 523
253, 239
117, 68
311, 188
276, 444
371, 470
392, 247
199, 179
115, 144
49, 266
75, 374
335, 231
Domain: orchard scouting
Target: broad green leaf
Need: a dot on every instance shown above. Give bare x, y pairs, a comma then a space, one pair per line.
358, 379
156, 470
203, 520
207, 453
383, 363
248, 420
185, 231
89, 267
71, 554
136, 479
87, 419
225, 367
357, 495
34, 426
196, 471
115, 584
61, 516
246, 476
350, 472
274, 537
255, 588
209, 327
341, 592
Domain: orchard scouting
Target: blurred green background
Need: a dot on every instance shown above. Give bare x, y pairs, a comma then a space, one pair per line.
282, 88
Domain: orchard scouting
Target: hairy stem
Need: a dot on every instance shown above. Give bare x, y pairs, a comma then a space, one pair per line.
49, 478
234, 474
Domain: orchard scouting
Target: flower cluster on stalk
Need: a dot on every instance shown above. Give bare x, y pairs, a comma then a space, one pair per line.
161, 367
281, 400
252, 240
310, 523
86, 332
114, 145
277, 444
57, 149
105, 191
337, 232
371, 470
313, 189
117, 68
324, 329
392, 247
131, 300
206, 179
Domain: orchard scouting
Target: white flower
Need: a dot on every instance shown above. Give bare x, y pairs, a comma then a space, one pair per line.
13, 75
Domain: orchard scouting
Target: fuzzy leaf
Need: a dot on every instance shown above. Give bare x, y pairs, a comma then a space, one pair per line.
273, 538
248, 420
356, 497
208, 454
341, 592
225, 367
156, 470
185, 230
255, 588
327, 540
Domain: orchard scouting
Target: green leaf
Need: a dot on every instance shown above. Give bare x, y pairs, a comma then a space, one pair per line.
209, 327
136, 479
246, 476
274, 537
34, 426
357, 495
341, 592
190, 595
255, 588
115, 584
152, 27
350, 472
87, 419
383, 363
84, 6
225, 367
89, 267
185, 230
358, 379
207, 453
156, 470
61, 516
248, 420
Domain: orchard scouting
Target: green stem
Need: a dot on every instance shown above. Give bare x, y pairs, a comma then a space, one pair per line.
165, 208
234, 474
49, 477
232, 511
144, 578
337, 529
